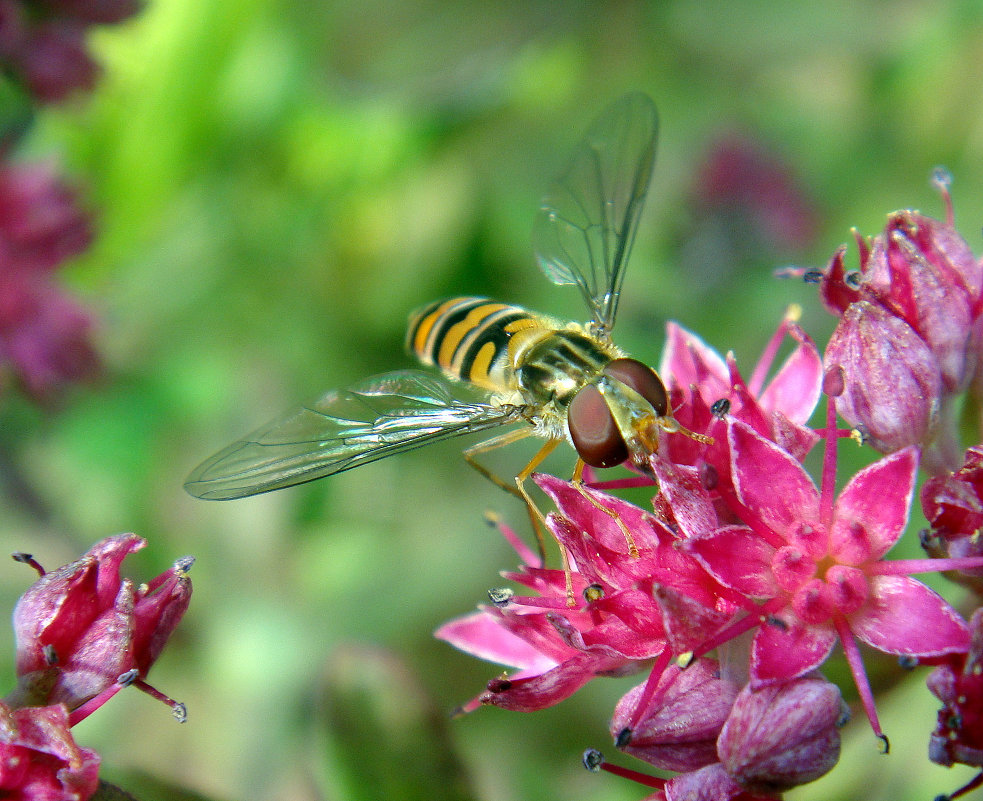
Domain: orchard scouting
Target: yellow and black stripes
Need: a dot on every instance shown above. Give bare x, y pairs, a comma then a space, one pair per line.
468, 338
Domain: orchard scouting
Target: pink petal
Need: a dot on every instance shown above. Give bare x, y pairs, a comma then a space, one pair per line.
872, 510
770, 483
478, 634
689, 500
687, 359
906, 617
788, 650
737, 558
538, 692
794, 391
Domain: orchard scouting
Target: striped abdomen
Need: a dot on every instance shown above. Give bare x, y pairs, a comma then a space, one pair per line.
469, 339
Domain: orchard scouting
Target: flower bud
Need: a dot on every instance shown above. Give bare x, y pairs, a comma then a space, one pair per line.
782, 735
679, 732
39, 758
893, 382
81, 626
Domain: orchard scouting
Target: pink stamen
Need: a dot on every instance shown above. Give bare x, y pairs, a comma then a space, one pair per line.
633, 775
737, 627
768, 357
906, 567
852, 652
827, 486
526, 555
651, 685
28, 559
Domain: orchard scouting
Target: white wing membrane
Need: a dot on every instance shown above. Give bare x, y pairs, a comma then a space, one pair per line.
586, 225
376, 418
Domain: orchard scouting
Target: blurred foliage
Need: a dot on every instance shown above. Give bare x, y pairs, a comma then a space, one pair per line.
277, 185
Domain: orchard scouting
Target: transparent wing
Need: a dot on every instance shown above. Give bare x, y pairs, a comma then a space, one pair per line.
379, 417
586, 225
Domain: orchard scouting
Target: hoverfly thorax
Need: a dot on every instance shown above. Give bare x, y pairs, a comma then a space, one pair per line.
559, 366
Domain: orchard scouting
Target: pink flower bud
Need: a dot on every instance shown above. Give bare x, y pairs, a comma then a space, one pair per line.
679, 732
81, 626
39, 758
783, 735
893, 382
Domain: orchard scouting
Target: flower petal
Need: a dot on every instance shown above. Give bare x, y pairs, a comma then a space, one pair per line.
906, 617
872, 510
738, 558
480, 635
687, 360
769, 482
788, 649
794, 391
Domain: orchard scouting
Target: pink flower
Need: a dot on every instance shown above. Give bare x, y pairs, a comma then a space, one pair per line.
697, 377
953, 506
39, 759
79, 628
44, 334
814, 567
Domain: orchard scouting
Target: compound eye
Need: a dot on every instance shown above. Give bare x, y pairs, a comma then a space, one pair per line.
643, 379
593, 430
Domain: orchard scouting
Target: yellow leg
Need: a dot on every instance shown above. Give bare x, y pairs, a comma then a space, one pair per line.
578, 482
536, 517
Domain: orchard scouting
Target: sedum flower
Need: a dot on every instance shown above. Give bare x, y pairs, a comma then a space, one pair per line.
813, 566
39, 759
45, 336
680, 731
953, 506
697, 377
81, 627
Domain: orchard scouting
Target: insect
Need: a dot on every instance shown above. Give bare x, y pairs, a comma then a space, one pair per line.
555, 380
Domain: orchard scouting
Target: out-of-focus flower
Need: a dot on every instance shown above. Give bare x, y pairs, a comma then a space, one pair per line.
746, 208
44, 334
743, 183
39, 759
43, 43
41, 223
79, 628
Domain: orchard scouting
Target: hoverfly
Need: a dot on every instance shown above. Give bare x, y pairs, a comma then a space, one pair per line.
558, 380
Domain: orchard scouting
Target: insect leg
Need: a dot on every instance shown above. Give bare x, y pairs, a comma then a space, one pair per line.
516, 488
578, 482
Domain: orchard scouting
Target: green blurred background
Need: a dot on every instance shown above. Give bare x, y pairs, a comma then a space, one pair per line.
277, 185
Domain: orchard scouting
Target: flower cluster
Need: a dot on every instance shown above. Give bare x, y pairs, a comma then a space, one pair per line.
43, 42
82, 634
44, 334
748, 571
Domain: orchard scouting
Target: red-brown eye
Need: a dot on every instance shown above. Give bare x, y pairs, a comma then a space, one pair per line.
593, 430
643, 379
